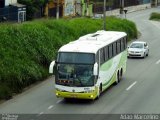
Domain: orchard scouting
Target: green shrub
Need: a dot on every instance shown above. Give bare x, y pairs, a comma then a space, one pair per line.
5, 92
27, 49
155, 16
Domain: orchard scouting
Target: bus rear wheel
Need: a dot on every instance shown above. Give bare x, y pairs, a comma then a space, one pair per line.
121, 74
117, 78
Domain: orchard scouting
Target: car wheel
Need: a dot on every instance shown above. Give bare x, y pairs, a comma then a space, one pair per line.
144, 55
147, 53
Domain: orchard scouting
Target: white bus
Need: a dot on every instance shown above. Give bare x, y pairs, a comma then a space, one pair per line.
86, 67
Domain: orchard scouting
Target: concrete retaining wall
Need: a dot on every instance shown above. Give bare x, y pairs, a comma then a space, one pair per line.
129, 9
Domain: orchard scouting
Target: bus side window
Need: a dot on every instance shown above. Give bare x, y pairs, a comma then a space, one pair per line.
110, 51
118, 46
106, 53
114, 49
102, 56
125, 42
122, 44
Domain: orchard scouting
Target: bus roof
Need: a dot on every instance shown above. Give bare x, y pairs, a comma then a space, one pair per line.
91, 43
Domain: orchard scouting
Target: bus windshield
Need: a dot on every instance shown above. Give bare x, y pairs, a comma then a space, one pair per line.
80, 58
75, 75
75, 69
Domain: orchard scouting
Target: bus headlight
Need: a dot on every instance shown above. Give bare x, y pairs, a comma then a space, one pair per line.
91, 96
57, 94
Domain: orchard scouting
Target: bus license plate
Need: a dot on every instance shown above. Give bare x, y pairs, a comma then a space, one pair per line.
73, 95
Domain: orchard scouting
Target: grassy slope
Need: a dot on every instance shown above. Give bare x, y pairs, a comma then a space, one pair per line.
155, 16
27, 49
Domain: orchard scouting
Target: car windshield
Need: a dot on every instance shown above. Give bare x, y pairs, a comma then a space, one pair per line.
136, 45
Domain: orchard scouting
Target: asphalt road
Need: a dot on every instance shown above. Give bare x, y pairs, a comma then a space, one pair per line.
138, 92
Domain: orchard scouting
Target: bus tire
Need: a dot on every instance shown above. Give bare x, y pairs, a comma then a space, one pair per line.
67, 99
117, 78
100, 91
121, 74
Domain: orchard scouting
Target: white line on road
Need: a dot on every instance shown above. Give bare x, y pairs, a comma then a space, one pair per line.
131, 85
59, 101
41, 113
155, 23
50, 107
158, 62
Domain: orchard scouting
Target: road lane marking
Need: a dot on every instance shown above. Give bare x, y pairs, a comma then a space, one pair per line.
59, 101
50, 107
155, 23
131, 85
158, 62
41, 113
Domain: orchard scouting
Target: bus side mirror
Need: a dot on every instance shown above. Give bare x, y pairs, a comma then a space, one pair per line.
51, 67
95, 69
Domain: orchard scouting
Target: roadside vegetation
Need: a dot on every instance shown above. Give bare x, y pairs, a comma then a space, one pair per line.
27, 49
155, 16
33, 7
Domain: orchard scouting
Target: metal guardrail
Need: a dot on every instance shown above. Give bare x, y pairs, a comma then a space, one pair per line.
98, 8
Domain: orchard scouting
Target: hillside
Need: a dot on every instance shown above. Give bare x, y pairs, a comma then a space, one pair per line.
27, 49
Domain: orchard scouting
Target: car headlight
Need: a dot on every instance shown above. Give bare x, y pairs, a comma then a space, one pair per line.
130, 52
141, 52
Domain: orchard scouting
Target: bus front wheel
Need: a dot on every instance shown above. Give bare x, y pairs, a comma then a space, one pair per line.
99, 91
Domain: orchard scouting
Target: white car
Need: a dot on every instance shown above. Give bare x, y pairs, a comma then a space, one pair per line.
138, 49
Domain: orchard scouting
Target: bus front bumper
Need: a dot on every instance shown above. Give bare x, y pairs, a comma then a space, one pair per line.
91, 95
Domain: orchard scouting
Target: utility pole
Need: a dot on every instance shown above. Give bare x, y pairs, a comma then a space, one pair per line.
88, 8
123, 4
121, 8
46, 10
57, 13
75, 3
104, 15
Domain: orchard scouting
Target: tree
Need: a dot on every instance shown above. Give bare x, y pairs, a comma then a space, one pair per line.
33, 6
